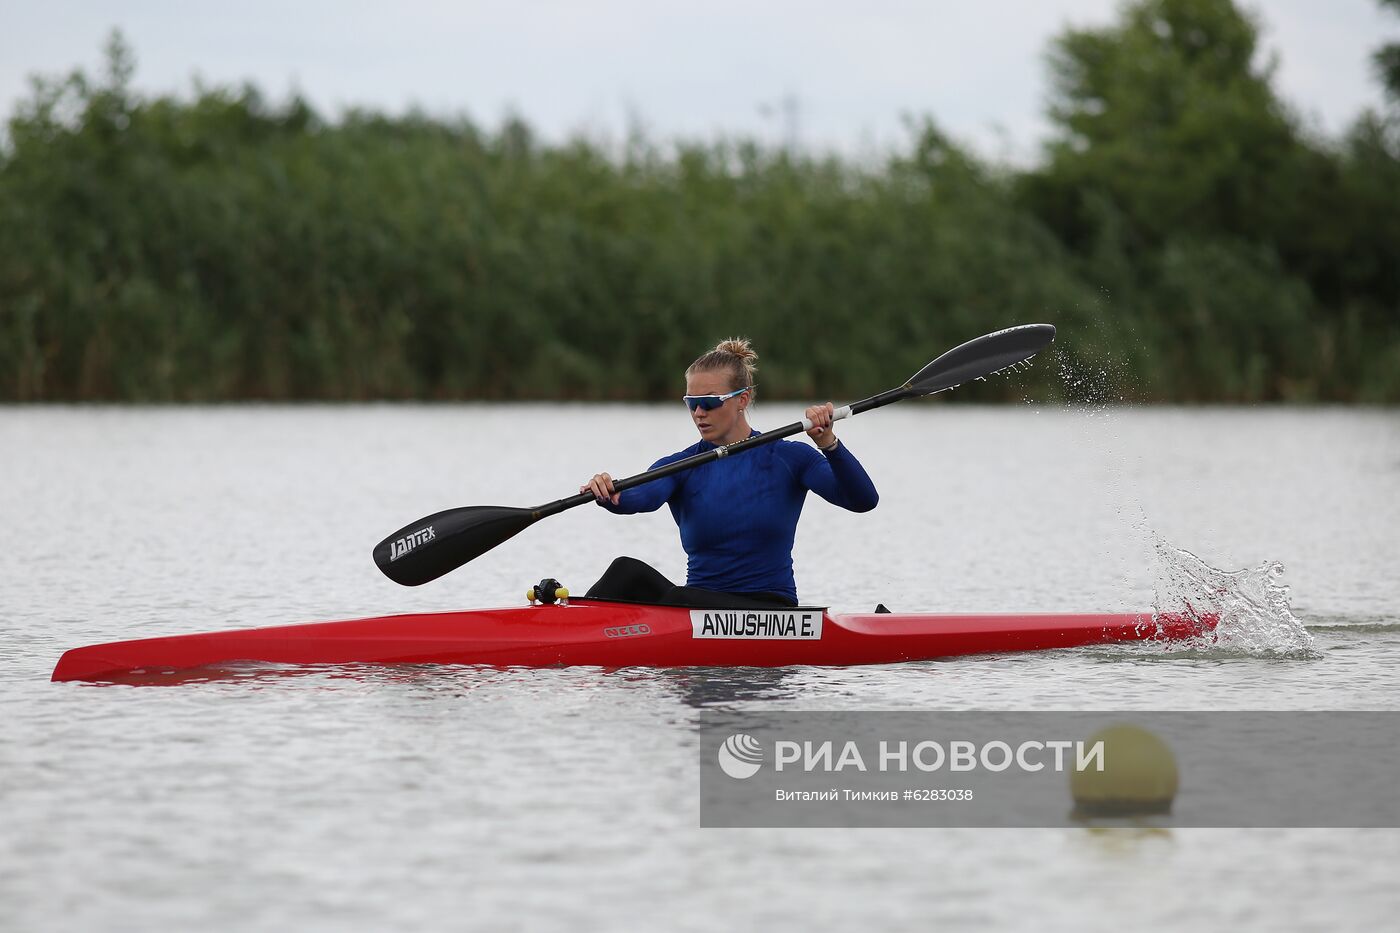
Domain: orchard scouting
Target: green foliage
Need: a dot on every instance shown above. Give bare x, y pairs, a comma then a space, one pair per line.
1167, 117
223, 246
1254, 259
1387, 60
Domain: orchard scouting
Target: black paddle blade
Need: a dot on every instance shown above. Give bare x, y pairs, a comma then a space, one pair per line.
982, 356
433, 546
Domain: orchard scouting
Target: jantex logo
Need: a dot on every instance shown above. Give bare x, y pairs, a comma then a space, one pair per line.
410, 541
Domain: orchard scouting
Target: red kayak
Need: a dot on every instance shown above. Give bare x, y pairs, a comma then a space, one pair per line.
610, 634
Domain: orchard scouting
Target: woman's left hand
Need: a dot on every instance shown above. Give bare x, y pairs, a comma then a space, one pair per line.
822, 432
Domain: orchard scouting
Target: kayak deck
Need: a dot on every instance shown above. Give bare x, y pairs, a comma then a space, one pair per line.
609, 634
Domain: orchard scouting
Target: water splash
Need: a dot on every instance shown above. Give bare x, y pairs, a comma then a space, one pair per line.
1251, 606
1091, 387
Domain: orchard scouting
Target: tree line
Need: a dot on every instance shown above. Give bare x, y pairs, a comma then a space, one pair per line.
1188, 232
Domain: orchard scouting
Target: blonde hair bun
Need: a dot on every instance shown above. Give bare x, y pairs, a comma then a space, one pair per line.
734, 356
740, 347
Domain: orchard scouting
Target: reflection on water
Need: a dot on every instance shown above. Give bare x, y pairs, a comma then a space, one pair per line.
1124, 839
694, 687
702, 687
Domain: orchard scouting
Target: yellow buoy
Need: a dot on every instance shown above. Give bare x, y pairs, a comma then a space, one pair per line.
1139, 776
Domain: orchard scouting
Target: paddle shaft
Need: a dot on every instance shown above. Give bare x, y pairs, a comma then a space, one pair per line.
727, 450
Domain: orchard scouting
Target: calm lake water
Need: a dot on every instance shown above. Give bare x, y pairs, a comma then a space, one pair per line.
388, 799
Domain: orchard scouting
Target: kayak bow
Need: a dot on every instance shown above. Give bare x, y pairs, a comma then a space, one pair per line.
612, 634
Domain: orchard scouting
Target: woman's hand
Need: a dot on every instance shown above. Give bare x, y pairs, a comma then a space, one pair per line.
601, 485
822, 432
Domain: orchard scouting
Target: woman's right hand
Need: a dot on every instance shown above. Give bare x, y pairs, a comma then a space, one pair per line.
601, 485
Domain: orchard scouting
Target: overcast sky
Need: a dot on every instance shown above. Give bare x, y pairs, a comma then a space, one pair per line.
849, 69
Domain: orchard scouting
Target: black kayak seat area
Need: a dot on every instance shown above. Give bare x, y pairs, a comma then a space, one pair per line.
722, 601
630, 580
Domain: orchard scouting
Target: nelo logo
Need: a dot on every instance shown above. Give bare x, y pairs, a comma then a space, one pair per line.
410, 541
622, 631
740, 756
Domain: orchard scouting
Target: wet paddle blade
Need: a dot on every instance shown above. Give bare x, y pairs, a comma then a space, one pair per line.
442, 542
982, 356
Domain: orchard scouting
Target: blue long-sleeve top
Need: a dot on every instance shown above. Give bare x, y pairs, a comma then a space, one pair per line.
738, 515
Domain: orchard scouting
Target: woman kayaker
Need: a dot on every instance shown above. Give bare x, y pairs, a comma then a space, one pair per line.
737, 515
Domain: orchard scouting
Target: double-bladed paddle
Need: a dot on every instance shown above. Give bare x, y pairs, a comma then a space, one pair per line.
444, 541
